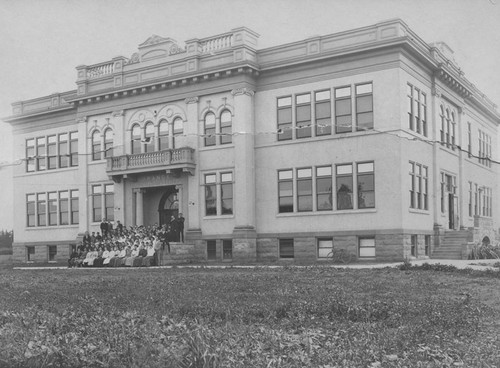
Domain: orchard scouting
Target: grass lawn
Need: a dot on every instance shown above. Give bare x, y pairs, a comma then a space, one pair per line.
289, 317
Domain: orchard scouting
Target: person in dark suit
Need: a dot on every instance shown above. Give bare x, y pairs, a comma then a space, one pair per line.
180, 227
104, 228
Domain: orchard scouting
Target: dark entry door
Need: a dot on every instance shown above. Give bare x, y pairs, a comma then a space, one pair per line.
451, 211
168, 206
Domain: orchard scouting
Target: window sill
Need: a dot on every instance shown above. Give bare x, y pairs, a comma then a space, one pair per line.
43, 172
97, 162
318, 138
322, 213
220, 217
53, 227
417, 211
449, 150
216, 147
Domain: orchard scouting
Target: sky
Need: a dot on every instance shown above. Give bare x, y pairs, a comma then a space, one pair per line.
42, 42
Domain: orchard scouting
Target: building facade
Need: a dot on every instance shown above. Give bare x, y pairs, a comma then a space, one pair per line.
370, 140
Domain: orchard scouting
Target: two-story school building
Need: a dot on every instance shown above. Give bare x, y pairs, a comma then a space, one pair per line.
370, 140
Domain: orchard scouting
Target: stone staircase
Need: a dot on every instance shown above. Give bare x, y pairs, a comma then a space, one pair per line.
452, 245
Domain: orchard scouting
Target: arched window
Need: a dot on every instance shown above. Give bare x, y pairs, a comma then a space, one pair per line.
149, 136
108, 143
210, 129
226, 127
163, 136
178, 130
448, 127
96, 145
136, 139
452, 131
442, 125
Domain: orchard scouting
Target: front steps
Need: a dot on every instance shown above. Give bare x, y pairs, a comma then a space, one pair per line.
452, 245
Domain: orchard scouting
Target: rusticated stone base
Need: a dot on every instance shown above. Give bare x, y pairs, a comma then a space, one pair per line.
244, 244
185, 252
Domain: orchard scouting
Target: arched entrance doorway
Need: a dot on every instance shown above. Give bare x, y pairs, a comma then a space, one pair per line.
168, 206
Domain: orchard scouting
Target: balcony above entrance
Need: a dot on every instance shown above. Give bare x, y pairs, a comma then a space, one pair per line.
171, 161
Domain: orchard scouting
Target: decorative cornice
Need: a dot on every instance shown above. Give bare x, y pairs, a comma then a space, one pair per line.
190, 100
118, 113
242, 91
82, 119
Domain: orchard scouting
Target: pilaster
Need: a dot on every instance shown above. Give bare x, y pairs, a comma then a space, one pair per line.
244, 159
193, 181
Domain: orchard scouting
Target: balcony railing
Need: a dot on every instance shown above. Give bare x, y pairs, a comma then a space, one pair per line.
166, 159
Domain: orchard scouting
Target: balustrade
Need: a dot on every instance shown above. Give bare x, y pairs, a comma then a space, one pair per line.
151, 159
217, 43
99, 70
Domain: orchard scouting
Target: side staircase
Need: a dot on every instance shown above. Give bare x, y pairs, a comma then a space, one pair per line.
452, 245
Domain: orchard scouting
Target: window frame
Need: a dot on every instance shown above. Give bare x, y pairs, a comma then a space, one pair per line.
285, 126
282, 243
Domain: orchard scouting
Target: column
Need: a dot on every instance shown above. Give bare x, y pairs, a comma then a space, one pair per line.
244, 233
139, 216
194, 191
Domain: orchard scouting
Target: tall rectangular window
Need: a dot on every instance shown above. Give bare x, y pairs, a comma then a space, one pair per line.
285, 118
418, 186
96, 203
73, 147
30, 155
409, 91
52, 152
227, 249
63, 208
412, 185
344, 187
343, 110
40, 154
423, 112
210, 195
226, 189
417, 110
304, 190
75, 212
30, 210
364, 106
211, 250
63, 150
324, 188
109, 202
469, 139
323, 112
30, 253
41, 209
366, 185
52, 208
476, 200
303, 115
414, 245
52, 253
470, 199
285, 191
286, 248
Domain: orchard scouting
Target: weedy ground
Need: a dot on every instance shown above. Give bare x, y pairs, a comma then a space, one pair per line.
285, 317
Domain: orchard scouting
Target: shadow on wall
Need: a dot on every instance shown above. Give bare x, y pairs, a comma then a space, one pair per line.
6, 239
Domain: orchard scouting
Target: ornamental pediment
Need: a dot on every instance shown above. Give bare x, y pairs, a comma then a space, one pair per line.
156, 47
